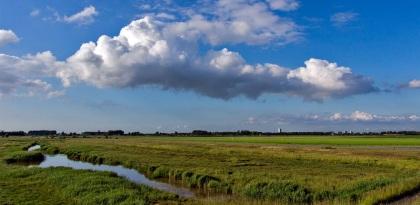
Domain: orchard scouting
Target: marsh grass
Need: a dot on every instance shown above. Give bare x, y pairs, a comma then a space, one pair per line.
23, 185
24, 157
400, 189
317, 176
77, 187
287, 192
258, 174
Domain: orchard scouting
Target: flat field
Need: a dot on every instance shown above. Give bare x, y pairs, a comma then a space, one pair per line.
224, 170
310, 140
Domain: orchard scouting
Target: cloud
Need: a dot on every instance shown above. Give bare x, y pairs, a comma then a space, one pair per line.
169, 52
283, 5
7, 36
145, 53
343, 18
25, 76
361, 116
369, 117
230, 22
356, 121
414, 117
35, 12
321, 73
37, 86
165, 16
86, 16
414, 84
335, 118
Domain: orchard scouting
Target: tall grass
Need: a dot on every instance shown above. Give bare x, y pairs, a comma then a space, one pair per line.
403, 188
281, 191
24, 157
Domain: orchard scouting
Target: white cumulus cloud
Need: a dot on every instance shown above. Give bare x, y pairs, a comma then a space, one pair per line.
7, 36
322, 73
144, 53
24, 76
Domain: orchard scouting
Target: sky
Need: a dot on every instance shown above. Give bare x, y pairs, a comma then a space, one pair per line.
221, 65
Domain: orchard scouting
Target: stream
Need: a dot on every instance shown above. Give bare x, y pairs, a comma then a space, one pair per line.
61, 160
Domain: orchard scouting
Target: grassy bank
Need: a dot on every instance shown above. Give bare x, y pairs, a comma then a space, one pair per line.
24, 157
258, 172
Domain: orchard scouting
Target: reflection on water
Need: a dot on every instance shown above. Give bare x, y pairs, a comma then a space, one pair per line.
33, 148
61, 160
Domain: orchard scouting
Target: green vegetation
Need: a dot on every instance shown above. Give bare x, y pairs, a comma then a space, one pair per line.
311, 140
24, 157
29, 185
281, 191
240, 170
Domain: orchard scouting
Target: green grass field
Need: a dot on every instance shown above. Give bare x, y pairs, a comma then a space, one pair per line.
238, 170
310, 140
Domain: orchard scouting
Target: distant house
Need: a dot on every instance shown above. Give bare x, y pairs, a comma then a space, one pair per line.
42, 132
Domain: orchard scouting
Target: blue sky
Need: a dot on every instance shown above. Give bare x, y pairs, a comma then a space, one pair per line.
185, 65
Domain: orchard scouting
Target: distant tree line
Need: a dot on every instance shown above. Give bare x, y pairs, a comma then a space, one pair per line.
42, 132
110, 132
196, 133
12, 133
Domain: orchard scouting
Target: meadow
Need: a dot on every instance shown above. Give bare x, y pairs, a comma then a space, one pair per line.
223, 170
